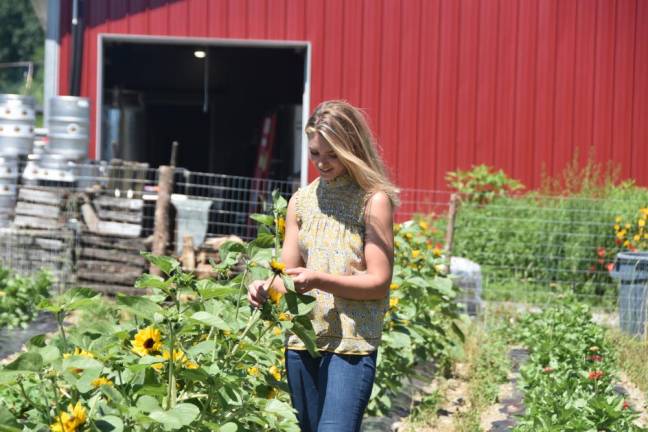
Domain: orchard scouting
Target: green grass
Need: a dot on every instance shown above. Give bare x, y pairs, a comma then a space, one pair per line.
633, 357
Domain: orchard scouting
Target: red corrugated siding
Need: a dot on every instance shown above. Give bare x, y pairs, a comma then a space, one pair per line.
447, 84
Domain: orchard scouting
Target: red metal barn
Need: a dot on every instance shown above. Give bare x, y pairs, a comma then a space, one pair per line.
519, 85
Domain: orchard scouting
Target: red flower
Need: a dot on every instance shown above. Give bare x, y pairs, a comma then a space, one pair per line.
592, 268
626, 405
595, 375
610, 266
600, 252
617, 241
595, 358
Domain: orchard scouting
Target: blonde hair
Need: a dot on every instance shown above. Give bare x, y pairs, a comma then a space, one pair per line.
344, 127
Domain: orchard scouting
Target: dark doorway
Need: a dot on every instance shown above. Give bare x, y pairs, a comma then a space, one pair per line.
211, 99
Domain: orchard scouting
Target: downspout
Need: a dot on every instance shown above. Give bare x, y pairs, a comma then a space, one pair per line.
77, 47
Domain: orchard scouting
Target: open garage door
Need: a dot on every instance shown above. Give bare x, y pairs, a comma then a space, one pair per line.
211, 96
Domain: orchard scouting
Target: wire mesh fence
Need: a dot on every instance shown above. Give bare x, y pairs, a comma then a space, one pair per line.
534, 248
89, 222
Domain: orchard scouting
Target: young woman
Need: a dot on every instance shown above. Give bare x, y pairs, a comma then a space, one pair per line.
338, 248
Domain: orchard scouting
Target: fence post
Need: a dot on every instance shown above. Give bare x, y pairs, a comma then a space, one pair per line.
161, 221
452, 213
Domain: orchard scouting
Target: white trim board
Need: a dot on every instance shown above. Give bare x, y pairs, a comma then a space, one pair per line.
210, 42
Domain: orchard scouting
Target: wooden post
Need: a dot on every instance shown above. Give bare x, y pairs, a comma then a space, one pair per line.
161, 221
452, 212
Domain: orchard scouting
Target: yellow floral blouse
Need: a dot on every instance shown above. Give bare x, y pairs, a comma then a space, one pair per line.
330, 216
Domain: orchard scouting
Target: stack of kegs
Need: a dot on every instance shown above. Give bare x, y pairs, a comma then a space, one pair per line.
17, 118
67, 143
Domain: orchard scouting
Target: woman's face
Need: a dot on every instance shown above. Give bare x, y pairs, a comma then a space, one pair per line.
324, 158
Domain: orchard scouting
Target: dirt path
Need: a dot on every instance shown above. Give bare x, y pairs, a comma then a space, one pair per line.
500, 417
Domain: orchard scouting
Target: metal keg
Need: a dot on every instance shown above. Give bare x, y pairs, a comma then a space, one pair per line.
55, 168
9, 170
69, 126
17, 118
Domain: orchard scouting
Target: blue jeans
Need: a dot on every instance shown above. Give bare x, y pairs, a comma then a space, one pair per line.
331, 392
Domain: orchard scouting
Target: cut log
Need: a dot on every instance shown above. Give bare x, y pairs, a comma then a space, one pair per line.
22, 221
113, 255
105, 227
38, 210
120, 216
188, 258
50, 244
119, 203
127, 244
40, 196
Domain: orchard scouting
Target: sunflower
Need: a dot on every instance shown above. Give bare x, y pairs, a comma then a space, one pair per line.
393, 286
78, 352
180, 357
70, 420
253, 371
275, 294
416, 253
147, 341
276, 331
277, 267
274, 371
393, 302
281, 227
98, 382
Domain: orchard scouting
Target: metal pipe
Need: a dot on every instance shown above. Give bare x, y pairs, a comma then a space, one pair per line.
77, 48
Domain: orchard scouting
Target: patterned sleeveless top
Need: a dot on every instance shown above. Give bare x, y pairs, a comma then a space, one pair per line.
330, 215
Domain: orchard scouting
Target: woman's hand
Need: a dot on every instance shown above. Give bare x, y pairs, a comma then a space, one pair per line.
257, 293
304, 279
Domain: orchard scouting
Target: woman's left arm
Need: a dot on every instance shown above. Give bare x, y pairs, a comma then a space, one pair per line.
379, 256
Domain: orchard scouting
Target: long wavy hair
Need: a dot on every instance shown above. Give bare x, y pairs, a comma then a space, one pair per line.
345, 128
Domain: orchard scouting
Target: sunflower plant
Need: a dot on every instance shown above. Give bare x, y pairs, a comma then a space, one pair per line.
186, 354
422, 323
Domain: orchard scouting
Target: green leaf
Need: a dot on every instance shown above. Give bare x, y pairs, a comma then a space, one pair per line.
49, 354
7, 421
81, 362
140, 306
37, 341
277, 407
303, 328
264, 240
181, 415
299, 304
167, 264
28, 361
148, 404
209, 289
263, 219
109, 424
228, 427
288, 283
210, 320
152, 281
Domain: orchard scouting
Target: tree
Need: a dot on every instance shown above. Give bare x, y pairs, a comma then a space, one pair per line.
21, 39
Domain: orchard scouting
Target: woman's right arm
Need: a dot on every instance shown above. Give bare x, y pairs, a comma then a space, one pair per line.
258, 290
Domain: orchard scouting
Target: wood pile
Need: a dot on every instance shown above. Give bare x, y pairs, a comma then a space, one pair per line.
109, 259
199, 259
110, 264
39, 208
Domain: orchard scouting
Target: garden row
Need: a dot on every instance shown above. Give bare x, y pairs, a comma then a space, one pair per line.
563, 237
192, 355
569, 380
